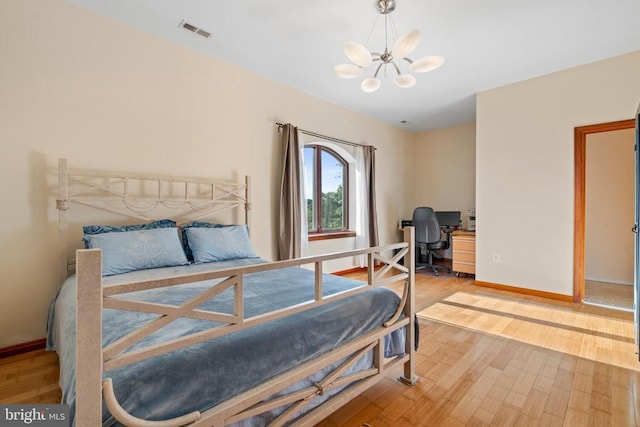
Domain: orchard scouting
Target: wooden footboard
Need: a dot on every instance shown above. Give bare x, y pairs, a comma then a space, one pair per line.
92, 359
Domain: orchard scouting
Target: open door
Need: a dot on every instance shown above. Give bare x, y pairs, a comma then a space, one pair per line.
636, 260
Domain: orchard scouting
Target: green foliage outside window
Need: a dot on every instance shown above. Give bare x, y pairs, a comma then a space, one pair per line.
323, 168
332, 210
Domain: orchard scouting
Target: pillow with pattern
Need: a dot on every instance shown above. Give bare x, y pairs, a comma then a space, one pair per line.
125, 251
99, 229
219, 243
197, 224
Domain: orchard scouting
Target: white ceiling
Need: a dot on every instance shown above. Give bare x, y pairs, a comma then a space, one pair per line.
486, 44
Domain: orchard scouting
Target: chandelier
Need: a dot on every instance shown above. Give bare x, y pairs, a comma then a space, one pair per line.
361, 57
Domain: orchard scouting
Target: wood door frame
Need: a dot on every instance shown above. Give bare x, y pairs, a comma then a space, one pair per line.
580, 149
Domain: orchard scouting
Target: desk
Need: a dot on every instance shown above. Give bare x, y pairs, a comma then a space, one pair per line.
463, 252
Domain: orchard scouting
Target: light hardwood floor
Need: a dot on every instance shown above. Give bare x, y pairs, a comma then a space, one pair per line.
495, 358
30, 378
609, 294
486, 358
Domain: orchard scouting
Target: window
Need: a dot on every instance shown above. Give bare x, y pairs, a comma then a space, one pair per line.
327, 192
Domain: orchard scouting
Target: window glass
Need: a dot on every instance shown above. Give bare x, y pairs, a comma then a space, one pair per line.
309, 180
332, 192
326, 192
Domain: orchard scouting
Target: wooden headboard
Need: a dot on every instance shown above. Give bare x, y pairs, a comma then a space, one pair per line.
144, 197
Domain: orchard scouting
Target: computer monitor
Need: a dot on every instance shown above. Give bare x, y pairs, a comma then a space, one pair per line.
448, 218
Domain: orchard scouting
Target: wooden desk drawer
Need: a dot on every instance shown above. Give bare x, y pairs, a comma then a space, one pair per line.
468, 257
464, 245
461, 267
464, 252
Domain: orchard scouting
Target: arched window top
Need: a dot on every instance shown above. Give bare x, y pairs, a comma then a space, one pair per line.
345, 154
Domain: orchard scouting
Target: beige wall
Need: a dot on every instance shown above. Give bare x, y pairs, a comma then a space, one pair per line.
609, 206
445, 168
524, 168
107, 96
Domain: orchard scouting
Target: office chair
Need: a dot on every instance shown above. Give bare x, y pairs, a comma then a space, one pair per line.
428, 238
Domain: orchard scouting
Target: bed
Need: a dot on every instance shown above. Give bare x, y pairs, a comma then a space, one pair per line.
218, 336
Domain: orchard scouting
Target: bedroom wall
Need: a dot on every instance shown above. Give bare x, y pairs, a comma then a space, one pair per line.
609, 206
446, 163
108, 96
524, 168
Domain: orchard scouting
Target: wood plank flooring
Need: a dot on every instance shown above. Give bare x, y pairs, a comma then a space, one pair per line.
495, 358
608, 294
30, 378
486, 358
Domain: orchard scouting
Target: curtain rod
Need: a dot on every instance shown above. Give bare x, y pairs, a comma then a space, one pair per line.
328, 138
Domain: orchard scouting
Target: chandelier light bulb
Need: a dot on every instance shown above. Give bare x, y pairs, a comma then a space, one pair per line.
405, 80
426, 63
370, 85
358, 54
347, 71
406, 44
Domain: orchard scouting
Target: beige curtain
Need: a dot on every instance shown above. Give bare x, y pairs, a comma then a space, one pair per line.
291, 195
370, 177
366, 218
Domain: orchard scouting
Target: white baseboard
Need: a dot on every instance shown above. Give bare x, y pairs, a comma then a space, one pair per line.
617, 282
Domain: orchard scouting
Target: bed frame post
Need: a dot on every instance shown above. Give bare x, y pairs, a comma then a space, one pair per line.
247, 204
409, 376
62, 204
89, 338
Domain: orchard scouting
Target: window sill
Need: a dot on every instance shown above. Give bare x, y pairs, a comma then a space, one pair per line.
331, 235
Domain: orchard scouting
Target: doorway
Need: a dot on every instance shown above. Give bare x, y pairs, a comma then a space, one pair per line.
580, 159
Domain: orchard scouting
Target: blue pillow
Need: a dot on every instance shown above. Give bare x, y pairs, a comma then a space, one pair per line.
219, 243
125, 251
99, 229
197, 224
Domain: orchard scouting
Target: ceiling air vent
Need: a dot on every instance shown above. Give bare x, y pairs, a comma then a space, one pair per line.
194, 29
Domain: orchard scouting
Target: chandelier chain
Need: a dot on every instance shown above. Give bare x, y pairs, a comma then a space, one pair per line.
366, 43
386, 35
394, 32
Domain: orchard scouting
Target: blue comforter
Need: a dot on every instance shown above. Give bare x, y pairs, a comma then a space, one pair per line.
206, 374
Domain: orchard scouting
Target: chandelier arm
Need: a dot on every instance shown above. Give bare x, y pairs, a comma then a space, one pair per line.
375, 75
396, 67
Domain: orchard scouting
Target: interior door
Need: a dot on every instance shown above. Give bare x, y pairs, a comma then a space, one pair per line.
636, 262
